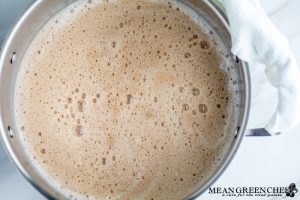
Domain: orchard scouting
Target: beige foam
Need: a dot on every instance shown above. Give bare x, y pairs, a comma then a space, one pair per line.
125, 100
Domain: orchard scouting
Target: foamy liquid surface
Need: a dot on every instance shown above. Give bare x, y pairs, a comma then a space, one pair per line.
125, 100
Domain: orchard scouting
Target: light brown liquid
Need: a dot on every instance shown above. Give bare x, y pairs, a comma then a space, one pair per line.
125, 100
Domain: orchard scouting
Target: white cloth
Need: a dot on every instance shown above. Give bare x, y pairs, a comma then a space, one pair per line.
257, 41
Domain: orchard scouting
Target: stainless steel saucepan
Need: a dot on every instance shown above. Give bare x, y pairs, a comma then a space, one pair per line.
26, 29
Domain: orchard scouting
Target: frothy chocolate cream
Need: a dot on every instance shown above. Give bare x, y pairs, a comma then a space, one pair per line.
125, 99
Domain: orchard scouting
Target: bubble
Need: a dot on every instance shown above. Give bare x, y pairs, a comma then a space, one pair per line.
78, 131
180, 123
219, 105
155, 99
187, 54
129, 98
103, 161
43, 151
80, 106
113, 44
173, 107
203, 108
195, 36
195, 91
181, 89
204, 44
39, 133
185, 106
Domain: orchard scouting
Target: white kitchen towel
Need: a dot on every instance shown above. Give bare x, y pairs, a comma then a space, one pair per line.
257, 41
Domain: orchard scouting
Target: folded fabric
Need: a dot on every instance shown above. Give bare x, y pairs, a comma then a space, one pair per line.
257, 41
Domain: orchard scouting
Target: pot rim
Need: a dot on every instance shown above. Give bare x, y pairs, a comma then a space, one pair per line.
239, 134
